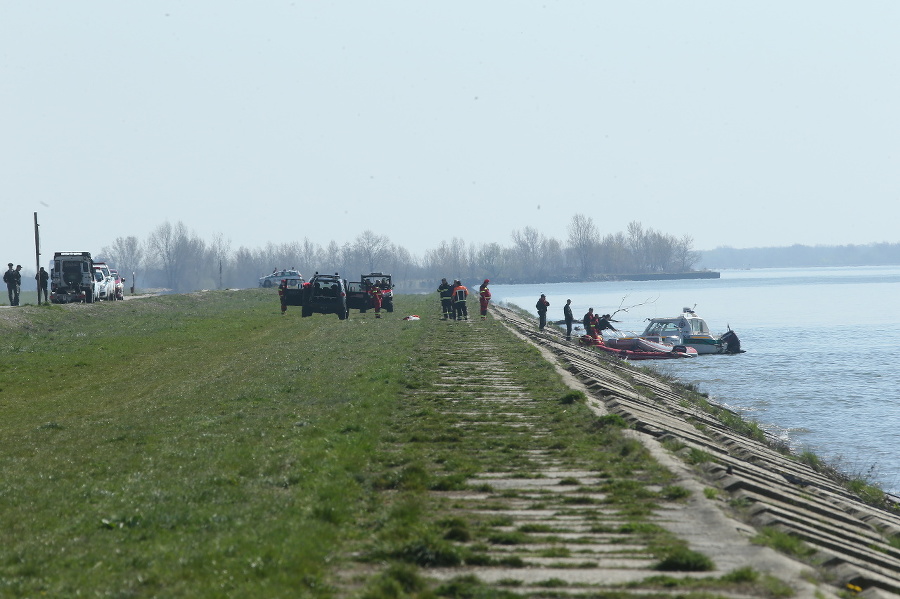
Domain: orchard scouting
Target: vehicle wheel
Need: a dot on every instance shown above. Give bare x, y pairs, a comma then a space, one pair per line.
390, 307
363, 310
304, 312
342, 314
267, 283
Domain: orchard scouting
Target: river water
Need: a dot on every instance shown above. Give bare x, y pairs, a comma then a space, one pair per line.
820, 357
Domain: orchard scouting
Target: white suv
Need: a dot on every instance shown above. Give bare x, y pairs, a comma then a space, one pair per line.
106, 284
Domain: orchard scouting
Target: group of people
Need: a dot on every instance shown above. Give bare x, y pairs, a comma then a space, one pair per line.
593, 324
13, 279
453, 299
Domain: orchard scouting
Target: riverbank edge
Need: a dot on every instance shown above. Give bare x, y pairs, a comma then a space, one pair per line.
750, 486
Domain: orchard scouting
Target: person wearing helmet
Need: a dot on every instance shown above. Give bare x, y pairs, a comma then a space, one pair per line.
445, 292
460, 293
484, 296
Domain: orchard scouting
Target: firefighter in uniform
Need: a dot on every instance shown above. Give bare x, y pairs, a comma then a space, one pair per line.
445, 290
460, 293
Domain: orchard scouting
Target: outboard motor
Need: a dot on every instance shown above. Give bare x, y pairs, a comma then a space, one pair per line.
730, 343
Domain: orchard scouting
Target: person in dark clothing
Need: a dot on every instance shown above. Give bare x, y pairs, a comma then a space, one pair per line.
43, 279
445, 291
13, 280
541, 306
588, 322
460, 293
567, 316
604, 323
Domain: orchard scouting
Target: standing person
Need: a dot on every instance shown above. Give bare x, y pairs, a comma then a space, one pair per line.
542, 305
460, 293
43, 279
375, 291
445, 291
569, 318
484, 296
588, 322
13, 280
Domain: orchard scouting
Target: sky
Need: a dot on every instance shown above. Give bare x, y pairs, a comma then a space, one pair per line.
741, 124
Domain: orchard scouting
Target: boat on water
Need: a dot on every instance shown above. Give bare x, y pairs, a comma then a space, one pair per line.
689, 330
635, 348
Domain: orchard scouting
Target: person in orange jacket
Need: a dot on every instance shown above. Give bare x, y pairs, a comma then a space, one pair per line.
460, 293
375, 292
484, 296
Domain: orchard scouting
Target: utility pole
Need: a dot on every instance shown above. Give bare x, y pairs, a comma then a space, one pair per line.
37, 257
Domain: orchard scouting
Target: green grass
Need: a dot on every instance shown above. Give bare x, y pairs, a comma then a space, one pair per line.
199, 445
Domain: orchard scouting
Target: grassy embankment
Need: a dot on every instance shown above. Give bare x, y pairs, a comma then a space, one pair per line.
206, 446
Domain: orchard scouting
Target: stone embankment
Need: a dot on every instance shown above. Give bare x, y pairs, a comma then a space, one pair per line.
745, 486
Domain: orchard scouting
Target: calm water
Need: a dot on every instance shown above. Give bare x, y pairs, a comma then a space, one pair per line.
820, 357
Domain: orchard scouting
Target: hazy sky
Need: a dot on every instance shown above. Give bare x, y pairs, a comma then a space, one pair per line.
739, 123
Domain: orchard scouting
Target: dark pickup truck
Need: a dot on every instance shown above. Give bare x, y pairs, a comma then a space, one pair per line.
323, 294
359, 296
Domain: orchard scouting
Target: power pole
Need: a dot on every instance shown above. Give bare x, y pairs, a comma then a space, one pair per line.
37, 257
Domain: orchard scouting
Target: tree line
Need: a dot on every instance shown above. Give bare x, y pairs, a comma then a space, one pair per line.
176, 258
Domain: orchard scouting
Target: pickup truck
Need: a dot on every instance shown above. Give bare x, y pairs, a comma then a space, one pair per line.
359, 295
325, 294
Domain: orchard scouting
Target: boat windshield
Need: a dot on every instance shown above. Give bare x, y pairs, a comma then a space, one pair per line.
698, 326
659, 328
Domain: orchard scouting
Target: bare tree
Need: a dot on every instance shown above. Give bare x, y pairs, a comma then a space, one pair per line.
583, 239
371, 249
126, 255
177, 253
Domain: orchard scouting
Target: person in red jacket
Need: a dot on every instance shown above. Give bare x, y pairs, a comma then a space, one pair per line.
375, 292
541, 306
484, 296
460, 293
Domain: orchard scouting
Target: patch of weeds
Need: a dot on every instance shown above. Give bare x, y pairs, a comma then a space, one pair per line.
569, 481
698, 456
609, 420
398, 580
453, 482
511, 561
783, 542
470, 587
674, 493
741, 575
508, 538
455, 529
710, 493
555, 552
740, 503
500, 520
777, 588
674, 445
572, 397
509, 582
682, 559
551, 583
535, 528
427, 551
579, 500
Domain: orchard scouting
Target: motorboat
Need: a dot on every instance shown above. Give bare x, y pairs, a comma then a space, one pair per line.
689, 330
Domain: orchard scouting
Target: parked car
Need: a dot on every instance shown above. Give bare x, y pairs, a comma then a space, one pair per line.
325, 294
106, 285
359, 295
119, 282
274, 279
